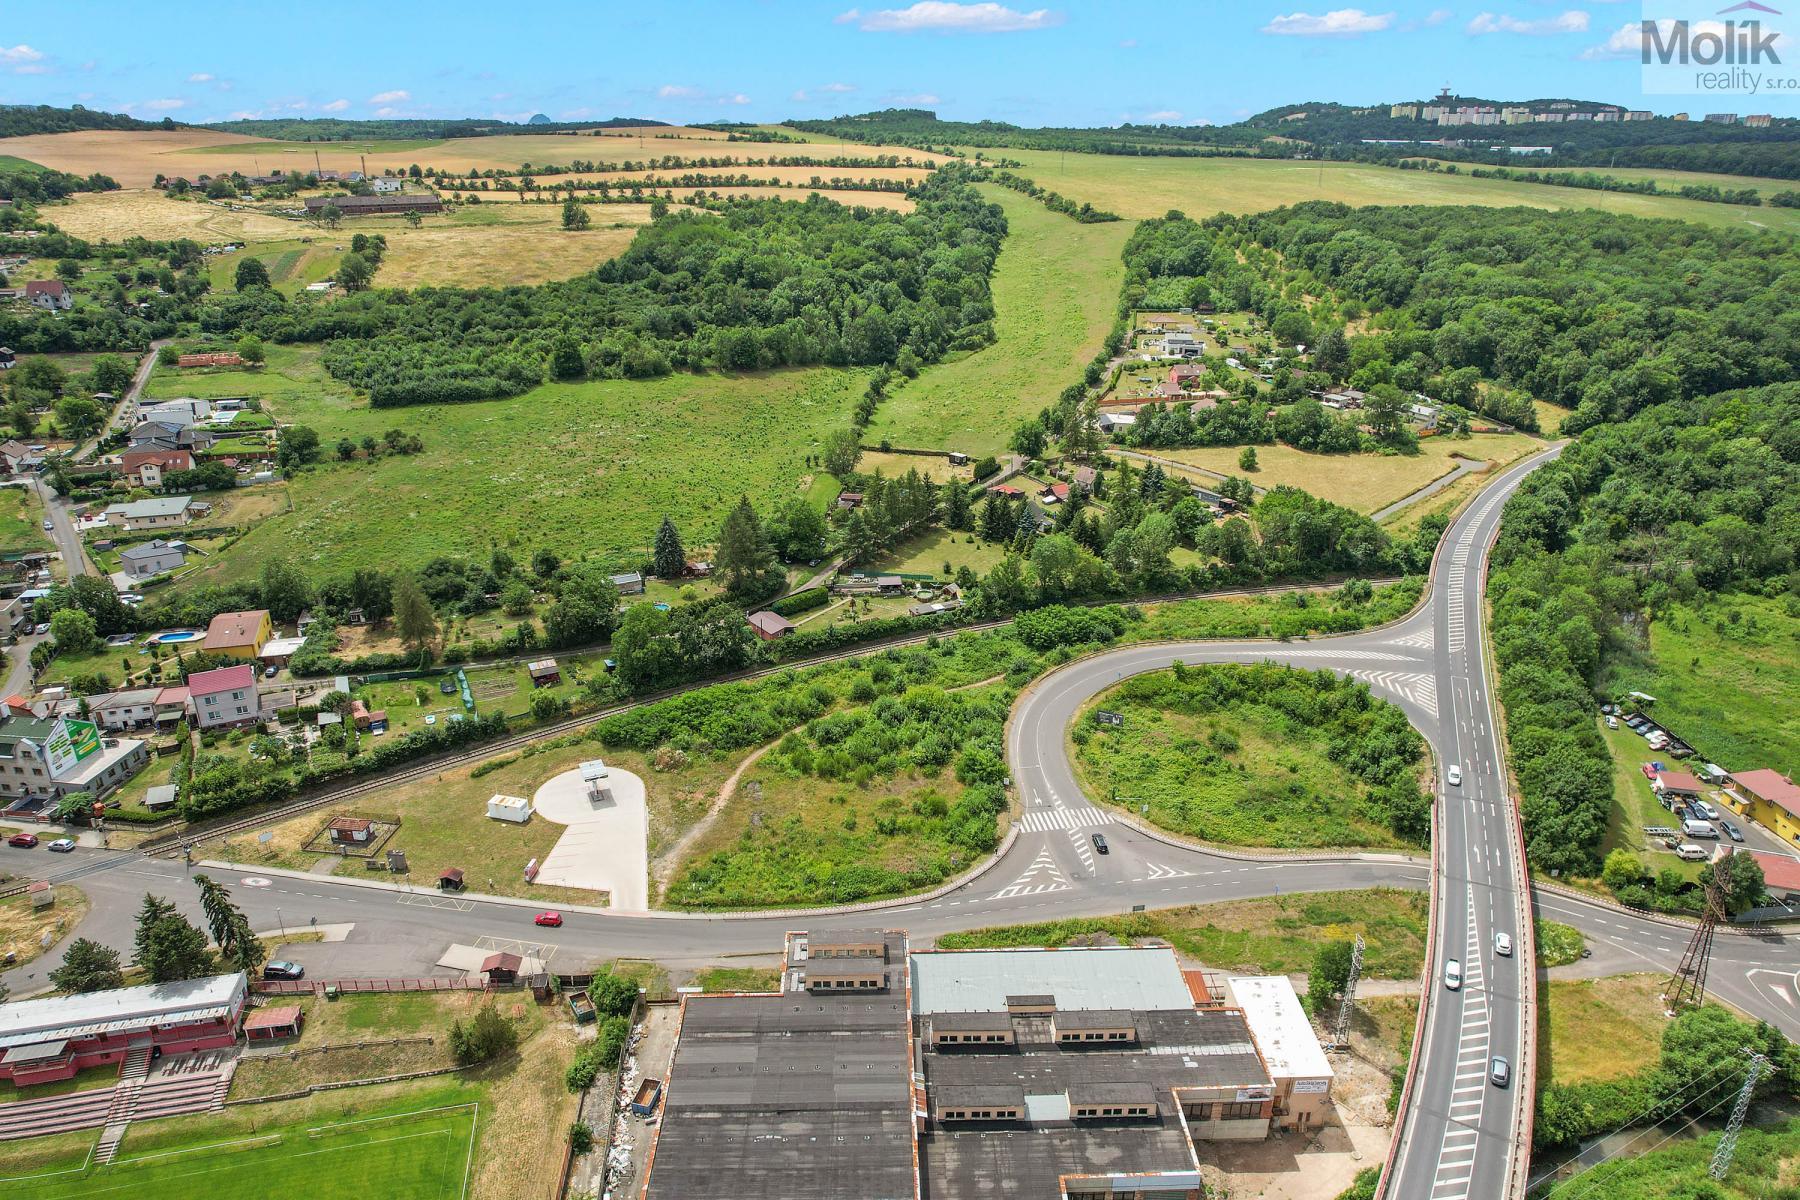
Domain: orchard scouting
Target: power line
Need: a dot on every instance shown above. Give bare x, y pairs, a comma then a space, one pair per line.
1645, 1113
1721, 1161
1586, 1176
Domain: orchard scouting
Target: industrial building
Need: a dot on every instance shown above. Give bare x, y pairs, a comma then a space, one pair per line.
1076, 1074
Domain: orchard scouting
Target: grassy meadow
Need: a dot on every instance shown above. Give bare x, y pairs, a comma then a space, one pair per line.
1272, 936
1055, 286
588, 468
1199, 187
1595, 1029
21, 520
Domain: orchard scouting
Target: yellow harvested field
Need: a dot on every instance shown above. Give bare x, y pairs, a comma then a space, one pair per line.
894, 200
935, 467
119, 215
793, 175
136, 158
1363, 482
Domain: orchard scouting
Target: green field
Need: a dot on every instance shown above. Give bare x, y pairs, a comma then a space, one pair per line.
1199, 187
1272, 936
1761, 1169
21, 520
417, 1155
1055, 287
11, 162
1242, 756
586, 468
1726, 679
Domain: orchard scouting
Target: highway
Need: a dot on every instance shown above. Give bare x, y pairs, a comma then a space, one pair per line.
1459, 1137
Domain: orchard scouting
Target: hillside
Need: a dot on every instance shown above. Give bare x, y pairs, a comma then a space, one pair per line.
19, 120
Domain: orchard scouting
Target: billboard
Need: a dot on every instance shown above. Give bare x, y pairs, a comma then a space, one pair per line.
69, 743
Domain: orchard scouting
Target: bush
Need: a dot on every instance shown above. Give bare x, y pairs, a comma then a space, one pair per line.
614, 1033
1558, 944
484, 1038
799, 602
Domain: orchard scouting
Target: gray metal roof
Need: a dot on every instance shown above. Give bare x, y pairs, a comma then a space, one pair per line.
1131, 977
27, 1022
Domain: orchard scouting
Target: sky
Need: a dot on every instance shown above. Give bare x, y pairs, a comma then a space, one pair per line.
1082, 62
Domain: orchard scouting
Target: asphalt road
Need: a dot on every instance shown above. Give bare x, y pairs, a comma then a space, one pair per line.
1458, 1137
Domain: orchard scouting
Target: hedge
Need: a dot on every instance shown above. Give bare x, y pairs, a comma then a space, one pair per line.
799, 602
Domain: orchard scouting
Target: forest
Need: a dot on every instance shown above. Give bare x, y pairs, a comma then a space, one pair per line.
18, 120
338, 129
1691, 495
766, 283
1605, 315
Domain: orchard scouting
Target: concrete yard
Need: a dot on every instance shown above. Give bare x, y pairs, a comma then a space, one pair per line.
604, 847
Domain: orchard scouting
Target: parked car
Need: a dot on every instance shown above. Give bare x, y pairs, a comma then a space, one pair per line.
552, 919
282, 969
1100, 846
1691, 852
23, 841
43, 628
1454, 776
1634, 720
1453, 974
1704, 809
270, 671
1612, 722
1698, 829
1503, 945
61, 845
1732, 831
49, 526
1499, 1071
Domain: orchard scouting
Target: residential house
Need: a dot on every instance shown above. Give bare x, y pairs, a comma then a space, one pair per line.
1084, 479
179, 413
224, 696
131, 709
239, 634
630, 583
160, 512
14, 455
1110, 422
146, 468
849, 500
1767, 797
168, 435
216, 359
769, 625
1055, 493
52, 295
387, 186
173, 704
1006, 491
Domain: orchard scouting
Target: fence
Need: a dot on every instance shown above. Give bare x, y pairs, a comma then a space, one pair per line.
434, 983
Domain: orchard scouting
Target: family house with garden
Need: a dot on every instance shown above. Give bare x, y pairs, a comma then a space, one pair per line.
239, 634
151, 558
146, 468
225, 696
160, 512
52, 295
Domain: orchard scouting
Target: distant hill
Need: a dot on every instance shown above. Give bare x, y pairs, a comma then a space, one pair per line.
921, 129
18, 120
332, 129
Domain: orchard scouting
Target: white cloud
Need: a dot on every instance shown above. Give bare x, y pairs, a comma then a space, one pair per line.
736, 98
838, 88
397, 96
335, 106
1166, 116
1340, 22
914, 98
165, 105
388, 111
200, 77
23, 60
674, 91
1572, 21
940, 16
1438, 16
800, 96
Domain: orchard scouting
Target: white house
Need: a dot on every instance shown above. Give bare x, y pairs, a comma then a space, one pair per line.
225, 696
157, 512
130, 709
151, 558
385, 185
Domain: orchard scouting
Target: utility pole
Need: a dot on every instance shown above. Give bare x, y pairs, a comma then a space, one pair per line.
1340, 1032
1687, 987
1721, 1160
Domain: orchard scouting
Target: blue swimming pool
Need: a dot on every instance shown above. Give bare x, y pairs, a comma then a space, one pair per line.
177, 635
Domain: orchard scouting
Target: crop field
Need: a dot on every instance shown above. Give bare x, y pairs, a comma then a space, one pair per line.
589, 468
1199, 187
1363, 482
135, 158
119, 215
898, 201
424, 1155
1055, 286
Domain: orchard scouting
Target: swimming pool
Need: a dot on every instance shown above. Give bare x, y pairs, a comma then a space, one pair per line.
177, 635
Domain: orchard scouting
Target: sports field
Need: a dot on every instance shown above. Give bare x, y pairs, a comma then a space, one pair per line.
420, 1155
1199, 187
1056, 283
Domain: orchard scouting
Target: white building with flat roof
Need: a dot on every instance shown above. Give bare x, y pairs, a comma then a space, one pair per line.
1289, 1048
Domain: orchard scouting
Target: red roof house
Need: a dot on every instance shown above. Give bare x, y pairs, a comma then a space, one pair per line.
770, 625
1769, 786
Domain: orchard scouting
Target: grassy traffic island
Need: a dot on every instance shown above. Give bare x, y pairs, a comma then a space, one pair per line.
1257, 756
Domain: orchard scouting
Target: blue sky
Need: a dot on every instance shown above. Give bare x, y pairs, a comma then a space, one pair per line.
1083, 62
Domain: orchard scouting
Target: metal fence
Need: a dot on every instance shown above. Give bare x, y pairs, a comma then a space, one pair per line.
434, 983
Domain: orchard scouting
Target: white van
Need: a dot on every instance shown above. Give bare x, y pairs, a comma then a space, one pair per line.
1691, 852
1698, 829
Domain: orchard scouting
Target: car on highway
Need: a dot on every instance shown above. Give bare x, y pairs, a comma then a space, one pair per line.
23, 841
1100, 846
1454, 776
1732, 831
1503, 945
1499, 1071
552, 919
282, 969
1453, 975
61, 845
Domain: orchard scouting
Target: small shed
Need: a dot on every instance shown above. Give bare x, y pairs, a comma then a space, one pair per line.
890, 585
629, 583
770, 625
516, 809
544, 672
42, 894
450, 879
274, 1024
958, 458
502, 967
351, 831
163, 795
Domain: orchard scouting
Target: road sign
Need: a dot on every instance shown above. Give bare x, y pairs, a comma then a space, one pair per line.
266, 836
1104, 717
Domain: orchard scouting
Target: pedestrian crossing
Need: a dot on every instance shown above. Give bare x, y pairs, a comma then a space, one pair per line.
1042, 820
1043, 875
1417, 688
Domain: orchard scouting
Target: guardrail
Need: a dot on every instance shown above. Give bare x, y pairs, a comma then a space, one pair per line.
1412, 1060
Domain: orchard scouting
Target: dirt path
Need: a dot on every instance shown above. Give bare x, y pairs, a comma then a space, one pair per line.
663, 869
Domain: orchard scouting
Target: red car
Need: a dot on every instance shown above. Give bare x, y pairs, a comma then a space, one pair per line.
25, 840
552, 919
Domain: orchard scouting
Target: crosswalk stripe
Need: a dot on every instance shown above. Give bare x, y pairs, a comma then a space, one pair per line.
1043, 820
